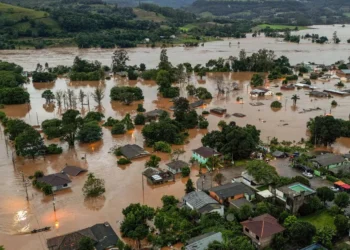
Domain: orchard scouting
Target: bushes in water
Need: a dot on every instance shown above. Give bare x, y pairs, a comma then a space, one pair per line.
276, 105
54, 149
14, 96
162, 147
140, 119
123, 161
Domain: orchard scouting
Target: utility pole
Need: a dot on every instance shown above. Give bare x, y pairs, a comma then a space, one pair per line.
25, 185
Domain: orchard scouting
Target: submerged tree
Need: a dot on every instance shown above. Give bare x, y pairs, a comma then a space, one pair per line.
29, 143
58, 97
48, 96
295, 98
189, 186
82, 96
93, 186
71, 121
119, 59
98, 96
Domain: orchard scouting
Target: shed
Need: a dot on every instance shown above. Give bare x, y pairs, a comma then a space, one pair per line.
219, 111
176, 166
132, 151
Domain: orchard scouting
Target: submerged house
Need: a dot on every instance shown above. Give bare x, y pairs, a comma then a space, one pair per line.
203, 203
218, 111
56, 181
158, 176
73, 170
153, 115
102, 236
231, 191
133, 151
202, 154
294, 196
319, 94
260, 92
261, 230
176, 166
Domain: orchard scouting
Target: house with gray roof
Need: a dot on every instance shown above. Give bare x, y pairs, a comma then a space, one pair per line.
154, 114
231, 191
102, 236
176, 166
73, 170
202, 154
133, 151
202, 242
203, 203
329, 161
56, 181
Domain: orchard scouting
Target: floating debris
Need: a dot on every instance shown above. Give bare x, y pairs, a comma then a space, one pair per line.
239, 115
256, 103
309, 110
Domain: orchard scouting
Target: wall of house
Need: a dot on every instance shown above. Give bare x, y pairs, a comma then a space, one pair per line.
56, 188
199, 158
259, 243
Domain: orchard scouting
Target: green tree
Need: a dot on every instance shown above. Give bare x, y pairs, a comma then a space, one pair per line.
119, 59
324, 130
189, 186
93, 116
162, 147
169, 200
245, 212
342, 200
93, 186
279, 241
295, 98
86, 243
163, 80
262, 208
213, 163
341, 223
14, 127
140, 119
89, 132
324, 236
185, 171
153, 161
257, 80
48, 96
325, 194
128, 122
301, 233
29, 143
135, 225
219, 178
262, 172
289, 221
164, 63
98, 96
276, 105
46, 188
71, 121
140, 108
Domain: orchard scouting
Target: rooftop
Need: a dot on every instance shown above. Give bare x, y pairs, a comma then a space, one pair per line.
314, 246
73, 170
240, 202
154, 113
231, 189
55, 179
345, 71
295, 189
328, 159
132, 151
202, 242
206, 152
198, 199
263, 226
101, 234
178, 164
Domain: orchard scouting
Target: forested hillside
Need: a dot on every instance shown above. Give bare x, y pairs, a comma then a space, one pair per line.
277, 11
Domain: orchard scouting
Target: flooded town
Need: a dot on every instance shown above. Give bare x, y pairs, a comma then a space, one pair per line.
321, 89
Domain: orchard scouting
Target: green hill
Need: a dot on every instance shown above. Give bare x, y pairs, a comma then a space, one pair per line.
25, 20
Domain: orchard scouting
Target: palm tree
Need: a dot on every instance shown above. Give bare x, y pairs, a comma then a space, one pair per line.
295, 98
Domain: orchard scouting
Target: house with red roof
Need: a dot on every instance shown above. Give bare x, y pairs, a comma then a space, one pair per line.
261, 229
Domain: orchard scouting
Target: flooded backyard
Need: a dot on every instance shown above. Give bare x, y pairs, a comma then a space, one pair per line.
125, 184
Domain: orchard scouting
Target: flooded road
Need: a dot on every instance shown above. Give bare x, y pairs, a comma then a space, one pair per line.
305, 51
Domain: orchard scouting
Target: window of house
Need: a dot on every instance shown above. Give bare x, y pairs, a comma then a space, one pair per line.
257, 237
247, 230
65, 185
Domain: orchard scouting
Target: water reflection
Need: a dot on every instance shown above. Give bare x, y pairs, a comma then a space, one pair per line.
95, 203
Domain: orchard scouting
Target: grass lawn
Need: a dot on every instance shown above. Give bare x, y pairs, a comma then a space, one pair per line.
320, 219
279, 27
241, 163
148, 15
187, 27
347, 14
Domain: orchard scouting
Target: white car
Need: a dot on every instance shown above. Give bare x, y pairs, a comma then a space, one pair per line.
308, 175
334, 189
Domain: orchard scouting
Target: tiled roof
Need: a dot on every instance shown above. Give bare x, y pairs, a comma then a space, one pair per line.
231, 189
329, 159
205, 152
178, 164
132, 151
55, 179
263, 226
198, 199
73, 170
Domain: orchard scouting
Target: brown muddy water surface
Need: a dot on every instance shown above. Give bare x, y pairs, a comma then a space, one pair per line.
305, 51
124, 184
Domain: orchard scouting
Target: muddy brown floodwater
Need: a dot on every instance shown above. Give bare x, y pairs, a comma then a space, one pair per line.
305, 51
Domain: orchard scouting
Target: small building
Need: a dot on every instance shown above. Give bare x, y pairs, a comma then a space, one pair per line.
288, 87
197, 104
260, 92
319, 94
249, 180
73, 170
294, 196
56, 181
202, 242
336, 92
147, 40
231, 191
261, 230
158, 176
102, 236
279, 154
240, 202
202, 154
328, 161
153, 115
344, 73
133, 151
219, 111
176, 166
203, 203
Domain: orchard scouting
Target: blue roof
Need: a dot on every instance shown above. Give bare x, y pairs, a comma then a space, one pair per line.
346, 71
314, 246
